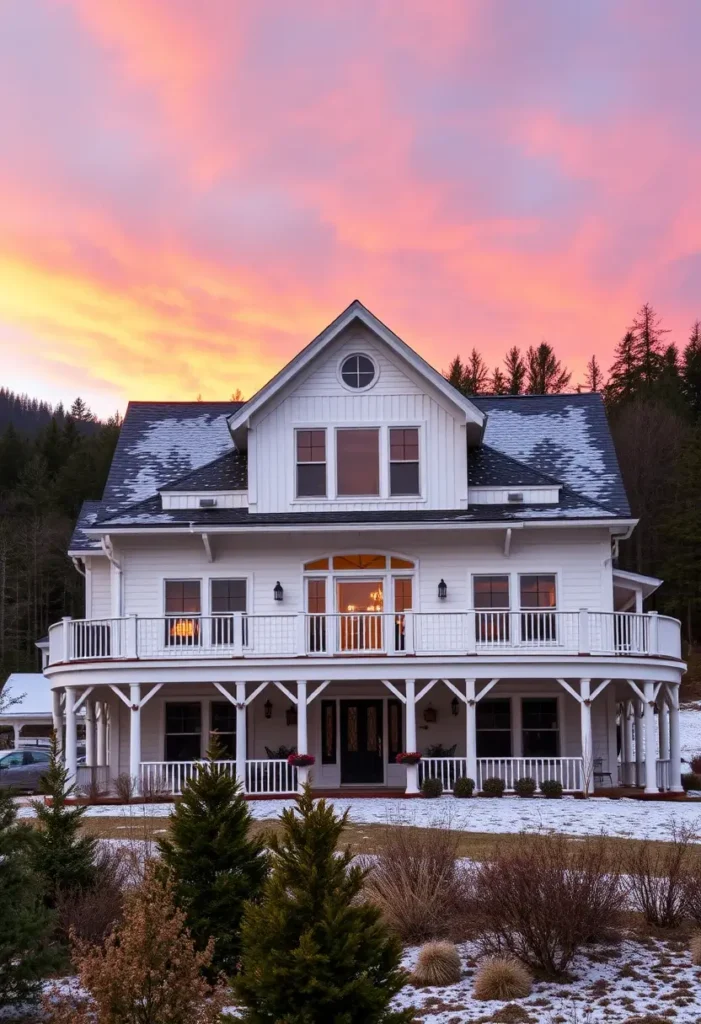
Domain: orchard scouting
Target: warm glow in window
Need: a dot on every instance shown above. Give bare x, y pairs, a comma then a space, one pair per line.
316, 565
359, 562
400, 563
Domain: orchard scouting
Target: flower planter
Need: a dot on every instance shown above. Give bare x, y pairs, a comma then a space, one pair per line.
410, 758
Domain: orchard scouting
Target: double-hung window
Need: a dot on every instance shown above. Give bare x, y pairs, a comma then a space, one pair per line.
311, 463
227, 597
490, 595
358, 462
541, 735
183, 731
404, 461
538, 603
493, 728
183, 610
223, 725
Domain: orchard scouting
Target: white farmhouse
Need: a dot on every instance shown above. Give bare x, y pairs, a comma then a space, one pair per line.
359, 562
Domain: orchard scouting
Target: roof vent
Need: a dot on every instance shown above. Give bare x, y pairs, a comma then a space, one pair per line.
208, 502
515, 497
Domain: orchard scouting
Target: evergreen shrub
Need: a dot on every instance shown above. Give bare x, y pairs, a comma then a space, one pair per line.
463, 787
431, 787
493, 787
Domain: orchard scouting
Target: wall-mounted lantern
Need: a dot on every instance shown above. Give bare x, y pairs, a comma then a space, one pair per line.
455, 706
442, 590
278, 591
268, 708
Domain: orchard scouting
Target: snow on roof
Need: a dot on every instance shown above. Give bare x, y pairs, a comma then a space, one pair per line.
35, 691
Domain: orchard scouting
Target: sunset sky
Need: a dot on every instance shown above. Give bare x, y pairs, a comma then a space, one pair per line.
191, 189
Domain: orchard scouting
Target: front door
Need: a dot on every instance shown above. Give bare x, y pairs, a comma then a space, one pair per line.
361, 741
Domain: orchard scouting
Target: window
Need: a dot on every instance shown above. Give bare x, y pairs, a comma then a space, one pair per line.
12, 760
328, 732
183, 610
316, 607
311, 463
223, 723
404, 461
38, 757
493, 728
490, 596
227, 596
402, 603
358, 462
358, 372
541, 735
538, 592
394, 729
183, 732
360, 562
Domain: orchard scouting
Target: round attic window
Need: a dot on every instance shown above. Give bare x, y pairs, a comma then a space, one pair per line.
358, 371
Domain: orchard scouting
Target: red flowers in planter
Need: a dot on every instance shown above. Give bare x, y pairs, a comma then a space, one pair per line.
301, 760
408, 757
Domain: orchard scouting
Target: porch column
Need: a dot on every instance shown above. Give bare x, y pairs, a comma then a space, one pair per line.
675, 742
57, 720
650, 739
629, 770
471, 731
241, 735
135, 736
71, 753
90, 733
663, 722
302, 740
16, 730
639, 747
412, 770
587, 743
101, 744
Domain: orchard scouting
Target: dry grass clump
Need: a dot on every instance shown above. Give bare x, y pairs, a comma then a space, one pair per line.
502, 978
89, 915
417, 884
658, 876
695, 946
541, 901
438, 965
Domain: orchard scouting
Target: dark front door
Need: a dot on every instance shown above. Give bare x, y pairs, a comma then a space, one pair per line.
361, 741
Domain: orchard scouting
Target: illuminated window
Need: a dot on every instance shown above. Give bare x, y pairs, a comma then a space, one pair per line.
359, 562
311, 463
400, 563
404, 461
317, 565
357, 462
183, 609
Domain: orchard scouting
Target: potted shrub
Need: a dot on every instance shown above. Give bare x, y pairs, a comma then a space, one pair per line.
525, 786
691, 782
301, 760
493, 787
431, 787
410, 757
463, 787
551, 788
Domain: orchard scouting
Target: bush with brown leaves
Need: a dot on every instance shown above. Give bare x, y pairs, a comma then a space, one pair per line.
147, 972
503, 978
91, 914
438, 965
417, 883
658, 875
544, 899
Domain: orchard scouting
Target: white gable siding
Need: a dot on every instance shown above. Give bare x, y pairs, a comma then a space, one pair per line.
398, 398
191, 499
97, 593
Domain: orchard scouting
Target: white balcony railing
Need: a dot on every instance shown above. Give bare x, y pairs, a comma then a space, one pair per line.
566, 770
168, 778
295, 634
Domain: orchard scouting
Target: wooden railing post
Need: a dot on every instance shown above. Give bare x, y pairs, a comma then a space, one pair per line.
653, 640
470, 633
66, 638
131, 642
584, 642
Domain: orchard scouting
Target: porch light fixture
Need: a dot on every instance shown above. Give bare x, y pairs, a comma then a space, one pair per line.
454, 706
430, 714
278, 591
442, 590
268, 708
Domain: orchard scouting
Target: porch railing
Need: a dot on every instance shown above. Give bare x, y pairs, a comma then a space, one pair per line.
632, 773
566, 770
294, 634
270, 777
168, 778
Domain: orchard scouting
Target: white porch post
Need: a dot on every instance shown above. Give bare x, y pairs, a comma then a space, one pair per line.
412, 770
663, 722
101, 729
587, 742
302, 739
71, 755
471, 731
241, 735
650, 739
57, 720
135, 736
90, 733
16, 730
639, 745
675, 742
629, 772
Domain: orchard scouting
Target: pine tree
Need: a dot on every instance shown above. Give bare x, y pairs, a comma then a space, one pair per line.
498, 382
691, 371
648, 342
515, 372
63, 857
81, 412
214, 862
594, 378
624, 375
455, 373
475, 375
546, 375
25, 956
313, 952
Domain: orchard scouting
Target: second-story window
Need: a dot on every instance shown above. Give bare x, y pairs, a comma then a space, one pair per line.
538, 601
311, 463
491, 602
358, 463
183, 609
404, 461
227, 597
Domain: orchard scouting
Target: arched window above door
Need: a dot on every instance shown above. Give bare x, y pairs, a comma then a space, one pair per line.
358, 563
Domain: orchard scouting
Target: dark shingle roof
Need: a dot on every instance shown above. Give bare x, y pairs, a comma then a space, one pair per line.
227, 473
564, 436
486, 467
86, 517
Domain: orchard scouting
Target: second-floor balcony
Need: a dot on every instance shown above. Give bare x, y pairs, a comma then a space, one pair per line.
370, 634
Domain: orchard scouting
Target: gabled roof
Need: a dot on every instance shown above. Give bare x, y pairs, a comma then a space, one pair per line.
565, 436
227, 473
357, 311
486, 467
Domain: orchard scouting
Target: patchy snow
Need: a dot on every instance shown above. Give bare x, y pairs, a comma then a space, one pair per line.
690, 727
629, 819
592, 512
190, 442
610, 983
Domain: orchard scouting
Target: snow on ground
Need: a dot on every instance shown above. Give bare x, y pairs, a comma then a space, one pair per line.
610, 983
630, 819
690, 727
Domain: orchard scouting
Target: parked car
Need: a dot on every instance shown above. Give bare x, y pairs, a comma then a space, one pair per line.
23, 769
